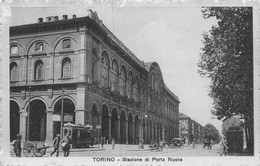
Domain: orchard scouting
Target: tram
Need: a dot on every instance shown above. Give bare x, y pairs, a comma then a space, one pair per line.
81, 136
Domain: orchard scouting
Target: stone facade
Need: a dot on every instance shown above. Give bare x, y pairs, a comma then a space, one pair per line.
190, 129
79, 65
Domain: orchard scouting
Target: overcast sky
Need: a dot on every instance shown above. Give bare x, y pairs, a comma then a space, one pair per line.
171, 36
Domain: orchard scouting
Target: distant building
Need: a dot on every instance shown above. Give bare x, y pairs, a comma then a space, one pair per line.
102, 82
190, 129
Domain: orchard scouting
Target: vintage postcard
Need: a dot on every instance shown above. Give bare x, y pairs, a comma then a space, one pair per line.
129, 82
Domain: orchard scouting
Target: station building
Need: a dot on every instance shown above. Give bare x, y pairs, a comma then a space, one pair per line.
102, 83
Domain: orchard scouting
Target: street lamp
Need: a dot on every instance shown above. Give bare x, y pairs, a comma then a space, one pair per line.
61, 114
28, 115
140, 145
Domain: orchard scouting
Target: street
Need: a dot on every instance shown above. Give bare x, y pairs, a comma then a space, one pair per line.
132, 150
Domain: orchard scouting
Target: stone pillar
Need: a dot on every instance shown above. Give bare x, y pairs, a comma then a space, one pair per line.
109, 127
49, 125
118, 132
80, 110
126, 134
79, 116
23, 123
82, 58
133, 131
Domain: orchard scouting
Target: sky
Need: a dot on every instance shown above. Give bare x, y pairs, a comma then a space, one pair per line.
171, 36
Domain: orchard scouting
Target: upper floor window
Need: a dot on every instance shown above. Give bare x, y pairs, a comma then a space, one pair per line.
123, 73
136, 82
94, 52
66, 68
130, 78
66, 43
39, 46
105, 59
14, 49
13, 72
114, 66
38, 71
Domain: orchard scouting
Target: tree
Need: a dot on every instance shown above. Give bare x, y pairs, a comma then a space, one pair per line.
210, 129
227, 59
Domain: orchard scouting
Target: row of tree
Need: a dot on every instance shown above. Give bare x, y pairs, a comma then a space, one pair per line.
227, 59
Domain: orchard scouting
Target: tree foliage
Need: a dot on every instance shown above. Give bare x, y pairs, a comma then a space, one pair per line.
227, 59
210, 129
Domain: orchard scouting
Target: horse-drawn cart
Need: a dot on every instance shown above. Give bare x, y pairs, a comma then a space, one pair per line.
30, 149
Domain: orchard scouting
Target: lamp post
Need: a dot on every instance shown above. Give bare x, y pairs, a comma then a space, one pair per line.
28, 115
141, 145
61, 114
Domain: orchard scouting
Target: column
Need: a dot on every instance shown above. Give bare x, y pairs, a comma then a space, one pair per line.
82, 57
109, 128
80, 110
118, 134
126, 135
23, 122
49, 125
133, 131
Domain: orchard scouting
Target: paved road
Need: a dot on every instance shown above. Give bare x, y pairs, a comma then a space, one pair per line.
132, 150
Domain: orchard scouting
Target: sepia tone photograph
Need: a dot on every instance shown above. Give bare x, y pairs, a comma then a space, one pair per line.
129, 82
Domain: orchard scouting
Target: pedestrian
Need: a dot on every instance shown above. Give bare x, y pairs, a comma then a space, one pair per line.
102, 141
56, 143
17, 145
193, 144
224, 147
65, 144
113, 143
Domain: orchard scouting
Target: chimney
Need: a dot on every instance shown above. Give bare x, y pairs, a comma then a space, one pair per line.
65, 17
40, 20
74, 16
56, 18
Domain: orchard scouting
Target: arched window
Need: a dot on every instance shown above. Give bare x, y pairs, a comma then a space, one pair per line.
136, 89
130, 87
105, 69
113, 82
94, 65
66, 68
13, 72
114, 66
122, 80
105, 59
94, 52
39, 70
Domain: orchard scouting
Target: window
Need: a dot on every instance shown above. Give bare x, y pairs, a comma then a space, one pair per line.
14, 49
38, 73
114, 66
13, 72
66, 68
94, 52
66, 43
39, 46
105, 59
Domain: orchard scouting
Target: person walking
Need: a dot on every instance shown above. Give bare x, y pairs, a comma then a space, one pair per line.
102, 142
65, 144
17, 145
56, 143
224, 147
113, 143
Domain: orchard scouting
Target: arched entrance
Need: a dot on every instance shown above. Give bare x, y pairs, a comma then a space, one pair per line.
136, 130
122, 128
143, 131
14, 120
114, 124
130, 129
95, 116
105, 122
37, 122
68, 114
